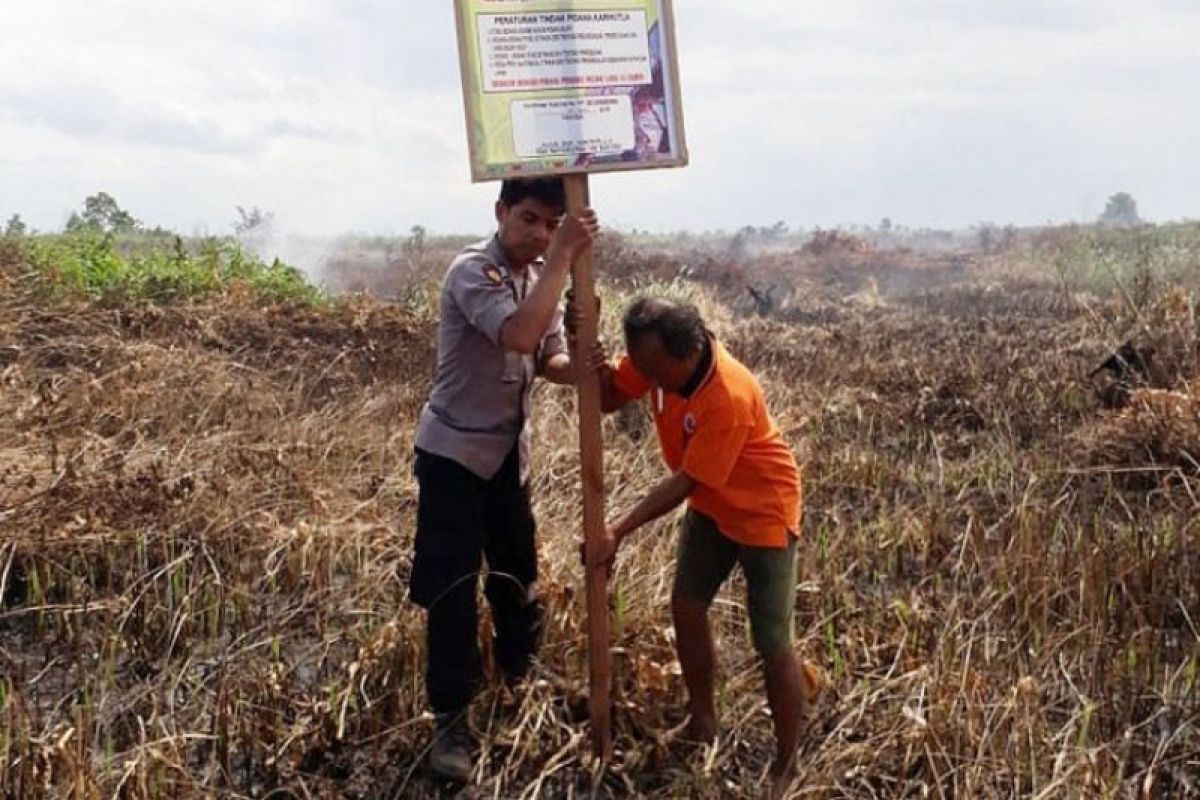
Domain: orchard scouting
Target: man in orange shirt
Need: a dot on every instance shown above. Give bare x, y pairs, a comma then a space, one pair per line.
730, 463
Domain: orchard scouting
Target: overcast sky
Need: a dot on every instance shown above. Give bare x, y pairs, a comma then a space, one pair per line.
342, 115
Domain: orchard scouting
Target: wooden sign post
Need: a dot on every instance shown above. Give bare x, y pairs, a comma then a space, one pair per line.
572, 87
591, 459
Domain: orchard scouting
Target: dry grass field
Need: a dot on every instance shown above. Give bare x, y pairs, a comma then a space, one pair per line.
206, 519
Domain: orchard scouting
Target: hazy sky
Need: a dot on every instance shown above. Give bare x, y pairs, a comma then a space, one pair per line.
342, 115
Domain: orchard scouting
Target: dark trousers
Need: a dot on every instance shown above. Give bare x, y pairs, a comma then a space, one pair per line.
462, 520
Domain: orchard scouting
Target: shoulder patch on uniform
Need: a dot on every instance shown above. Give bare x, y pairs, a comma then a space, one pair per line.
492, 274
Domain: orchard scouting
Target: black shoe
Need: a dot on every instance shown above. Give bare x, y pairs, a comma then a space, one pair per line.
450, 756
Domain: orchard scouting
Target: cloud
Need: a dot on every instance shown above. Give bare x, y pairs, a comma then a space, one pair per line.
346, 115
95, 113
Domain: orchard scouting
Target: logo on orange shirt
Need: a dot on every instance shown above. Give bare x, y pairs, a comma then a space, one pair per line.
689, 424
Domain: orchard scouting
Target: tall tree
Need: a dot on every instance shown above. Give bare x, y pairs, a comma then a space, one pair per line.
1121, 211
102, 212
15, 226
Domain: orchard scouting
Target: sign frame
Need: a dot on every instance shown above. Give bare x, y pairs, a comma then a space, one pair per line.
659, 101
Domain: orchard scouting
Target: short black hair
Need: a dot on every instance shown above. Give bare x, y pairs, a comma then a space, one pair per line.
678, 326
548, 190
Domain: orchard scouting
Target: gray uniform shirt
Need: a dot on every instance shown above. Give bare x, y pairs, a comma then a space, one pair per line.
479, 406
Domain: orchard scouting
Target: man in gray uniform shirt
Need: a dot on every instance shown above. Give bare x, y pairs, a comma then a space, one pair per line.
500, 327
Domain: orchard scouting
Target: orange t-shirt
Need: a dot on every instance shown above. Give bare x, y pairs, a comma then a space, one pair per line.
725, 440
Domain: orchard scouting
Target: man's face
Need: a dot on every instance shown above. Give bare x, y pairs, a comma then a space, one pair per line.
651, 359
526, 229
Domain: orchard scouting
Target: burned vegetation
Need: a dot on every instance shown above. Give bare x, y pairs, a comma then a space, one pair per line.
206, 520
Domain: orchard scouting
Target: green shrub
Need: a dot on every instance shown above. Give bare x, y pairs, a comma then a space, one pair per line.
98, 264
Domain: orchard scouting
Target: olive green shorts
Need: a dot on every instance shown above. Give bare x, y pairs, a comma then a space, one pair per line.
706, 558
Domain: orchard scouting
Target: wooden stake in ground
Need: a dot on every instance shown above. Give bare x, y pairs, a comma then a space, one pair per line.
591, 456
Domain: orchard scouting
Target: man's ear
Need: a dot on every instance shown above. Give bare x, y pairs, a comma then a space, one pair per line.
501, 211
